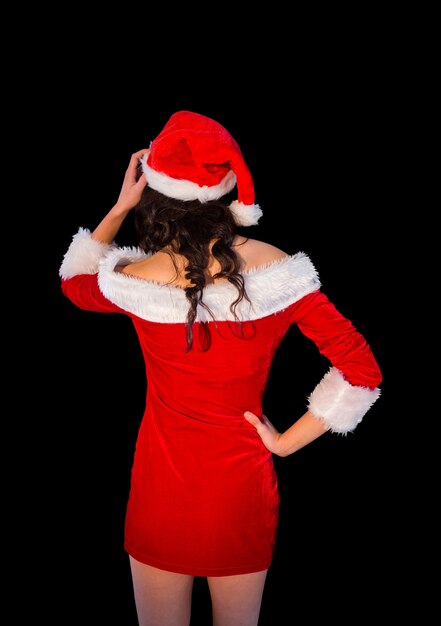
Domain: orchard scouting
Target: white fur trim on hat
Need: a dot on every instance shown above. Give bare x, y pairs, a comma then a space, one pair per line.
339, 404
186, 189
83, 255
245, 214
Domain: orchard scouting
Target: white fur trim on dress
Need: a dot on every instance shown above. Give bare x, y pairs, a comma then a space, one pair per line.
339, 404
186, 189
271, 289
83, 255
245, 214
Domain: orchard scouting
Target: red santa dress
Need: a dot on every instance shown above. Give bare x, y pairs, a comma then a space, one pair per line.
204, 497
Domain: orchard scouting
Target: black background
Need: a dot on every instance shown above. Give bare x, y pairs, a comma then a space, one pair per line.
319, 142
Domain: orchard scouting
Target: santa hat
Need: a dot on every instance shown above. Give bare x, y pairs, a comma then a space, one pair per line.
196, 158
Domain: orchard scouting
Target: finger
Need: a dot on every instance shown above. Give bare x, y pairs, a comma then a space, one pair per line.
137, 155
135, 158
141, 182
253, 419
248, 415
266, 421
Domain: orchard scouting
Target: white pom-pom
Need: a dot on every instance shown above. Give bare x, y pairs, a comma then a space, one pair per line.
245, 214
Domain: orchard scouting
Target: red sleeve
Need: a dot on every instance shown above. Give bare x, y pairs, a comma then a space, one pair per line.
84, 292
337, 339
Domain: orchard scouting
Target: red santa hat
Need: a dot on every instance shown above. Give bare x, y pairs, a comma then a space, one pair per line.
195, 158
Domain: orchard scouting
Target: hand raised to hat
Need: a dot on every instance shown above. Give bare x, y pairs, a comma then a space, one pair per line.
133, 184
129, 196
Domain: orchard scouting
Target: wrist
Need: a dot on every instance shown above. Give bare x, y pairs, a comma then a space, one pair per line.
120, 210
282, 446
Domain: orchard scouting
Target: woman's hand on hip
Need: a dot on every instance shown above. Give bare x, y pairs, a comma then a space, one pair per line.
270, 436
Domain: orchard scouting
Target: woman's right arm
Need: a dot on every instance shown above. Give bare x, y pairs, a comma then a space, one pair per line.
129, 197
79, 268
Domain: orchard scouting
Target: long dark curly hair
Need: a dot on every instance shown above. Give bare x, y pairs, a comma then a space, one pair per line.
188, 228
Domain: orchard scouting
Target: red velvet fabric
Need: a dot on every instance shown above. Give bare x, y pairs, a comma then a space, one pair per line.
337, 339
204, 497
198, 149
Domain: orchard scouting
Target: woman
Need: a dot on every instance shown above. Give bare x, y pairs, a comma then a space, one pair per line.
210, 308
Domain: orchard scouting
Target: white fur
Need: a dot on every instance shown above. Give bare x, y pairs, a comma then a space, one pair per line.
339, 404
245, 214
271, 288
186, 189
83, 255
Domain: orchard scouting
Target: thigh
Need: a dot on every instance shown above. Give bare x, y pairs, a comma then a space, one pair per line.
162, 598
236, 600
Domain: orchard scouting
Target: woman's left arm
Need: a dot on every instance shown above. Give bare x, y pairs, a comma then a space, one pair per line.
303, 431
346, 392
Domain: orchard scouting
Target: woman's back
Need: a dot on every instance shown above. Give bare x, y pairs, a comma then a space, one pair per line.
227, 368
165, 267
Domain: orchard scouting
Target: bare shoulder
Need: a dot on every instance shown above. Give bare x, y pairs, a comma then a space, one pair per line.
255, 253
158, 267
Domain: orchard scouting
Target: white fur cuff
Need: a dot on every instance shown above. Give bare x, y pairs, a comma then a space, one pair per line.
83, 255
339, 404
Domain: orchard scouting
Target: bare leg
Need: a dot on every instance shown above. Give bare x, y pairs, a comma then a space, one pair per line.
236, 600
162, 598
